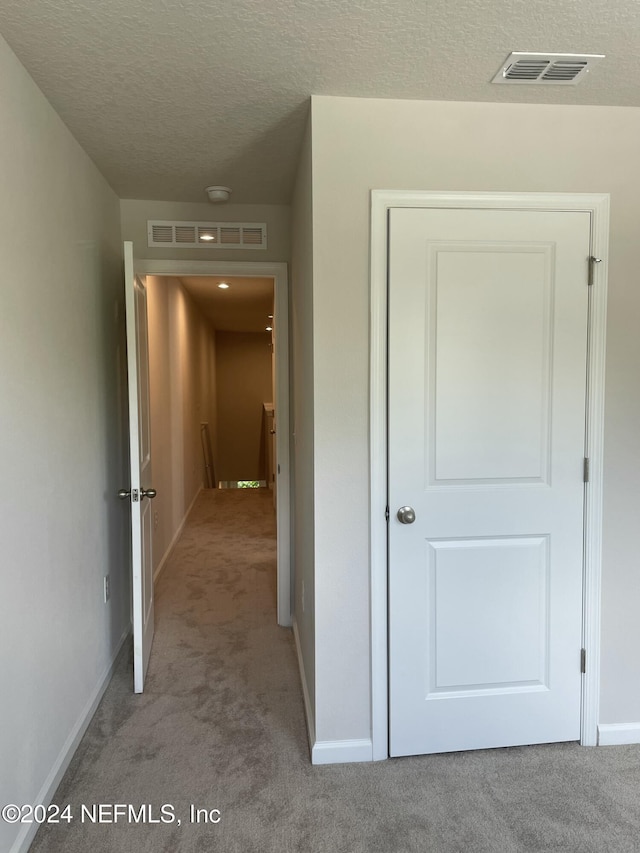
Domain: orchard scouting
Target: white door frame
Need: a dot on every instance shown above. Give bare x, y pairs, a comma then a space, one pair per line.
597, 205
278, 272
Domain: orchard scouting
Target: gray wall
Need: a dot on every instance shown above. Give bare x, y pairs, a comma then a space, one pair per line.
302, 414
62, 453
359, 145
182, 396
244, 384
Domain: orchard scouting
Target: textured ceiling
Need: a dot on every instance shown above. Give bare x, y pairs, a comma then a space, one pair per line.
244, 307
169, 96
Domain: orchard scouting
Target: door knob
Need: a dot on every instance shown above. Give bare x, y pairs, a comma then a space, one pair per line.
406, 515
123, 494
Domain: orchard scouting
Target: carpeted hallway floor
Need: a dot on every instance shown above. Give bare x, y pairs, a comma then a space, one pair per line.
221, 726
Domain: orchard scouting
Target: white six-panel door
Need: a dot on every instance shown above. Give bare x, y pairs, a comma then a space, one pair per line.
487, 392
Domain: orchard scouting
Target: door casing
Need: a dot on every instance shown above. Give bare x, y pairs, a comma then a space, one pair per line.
597, 205
278, 272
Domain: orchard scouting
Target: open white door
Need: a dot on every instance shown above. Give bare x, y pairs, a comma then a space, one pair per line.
139, 491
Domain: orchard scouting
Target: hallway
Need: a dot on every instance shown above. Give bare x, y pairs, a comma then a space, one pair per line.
221, 719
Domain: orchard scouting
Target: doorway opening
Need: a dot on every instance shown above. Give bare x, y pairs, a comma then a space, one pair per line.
237, 419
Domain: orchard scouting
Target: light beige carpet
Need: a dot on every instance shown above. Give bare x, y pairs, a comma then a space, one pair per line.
221, 726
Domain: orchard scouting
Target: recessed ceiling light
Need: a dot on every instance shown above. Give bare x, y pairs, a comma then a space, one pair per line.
268, 329
207, 237
269, 316
223, 285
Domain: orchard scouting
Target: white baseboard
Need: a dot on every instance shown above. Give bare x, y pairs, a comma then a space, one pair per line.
328, 751
27, 833
341, 751
308, 710
176, 536
617, 734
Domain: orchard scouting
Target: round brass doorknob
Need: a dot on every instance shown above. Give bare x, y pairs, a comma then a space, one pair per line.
148, 493
406, 515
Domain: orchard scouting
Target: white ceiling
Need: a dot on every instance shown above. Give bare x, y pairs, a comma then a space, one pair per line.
169, 96
243, 307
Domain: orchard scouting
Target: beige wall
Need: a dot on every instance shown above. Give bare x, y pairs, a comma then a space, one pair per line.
62, 449
359, 145
243, 382
135, 214
182, 392
302, 453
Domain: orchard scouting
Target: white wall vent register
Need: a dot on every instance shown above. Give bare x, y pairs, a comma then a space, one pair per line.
206, 235
547, 68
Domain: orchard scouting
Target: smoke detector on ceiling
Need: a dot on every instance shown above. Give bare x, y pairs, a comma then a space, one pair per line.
218, 194
565, 69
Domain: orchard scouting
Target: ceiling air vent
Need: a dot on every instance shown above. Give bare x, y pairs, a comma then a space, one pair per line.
564, 69
207, 235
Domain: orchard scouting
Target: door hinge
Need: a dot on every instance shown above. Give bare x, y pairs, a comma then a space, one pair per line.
592, 265
386, 513
585, 470
134, 496
583, 661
